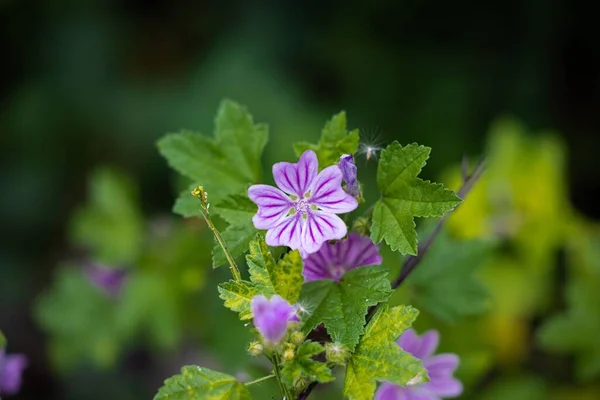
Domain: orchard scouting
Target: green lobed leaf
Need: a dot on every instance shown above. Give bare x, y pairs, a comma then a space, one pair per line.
378, 358
288, 278
342, 306
225, 164
238, 296
445, 283
237, 238
404, 196
335, 140
197, 383
266, 277
110, 224
303, 367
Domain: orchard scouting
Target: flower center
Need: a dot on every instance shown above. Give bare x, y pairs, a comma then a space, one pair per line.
302, 206
337, 271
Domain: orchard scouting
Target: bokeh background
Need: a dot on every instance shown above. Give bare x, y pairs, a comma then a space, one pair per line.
93, 84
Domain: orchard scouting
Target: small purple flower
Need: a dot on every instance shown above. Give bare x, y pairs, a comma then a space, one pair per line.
301, 213
440, 369
332, 261
11, 371
349, 173
108, 279
272, 316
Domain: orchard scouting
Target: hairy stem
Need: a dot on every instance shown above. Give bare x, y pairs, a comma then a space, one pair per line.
235, 272
277, 372
259, 380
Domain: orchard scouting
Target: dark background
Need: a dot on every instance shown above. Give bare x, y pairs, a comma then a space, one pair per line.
85, 83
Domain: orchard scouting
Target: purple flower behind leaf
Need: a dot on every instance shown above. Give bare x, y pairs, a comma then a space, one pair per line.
272, 316
301, 212
439, 367
332, 261
108, 279
349, 174
11, 371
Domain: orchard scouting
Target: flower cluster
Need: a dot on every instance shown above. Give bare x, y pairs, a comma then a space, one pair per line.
439, 368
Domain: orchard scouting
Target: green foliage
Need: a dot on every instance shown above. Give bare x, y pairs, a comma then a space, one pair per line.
445, 283
110, 225
2, 340
266, 277
237, 210
576, 331
404, 196
378, 358
197, 383
304, 368
226, 164
335, 140
342, 306
237, 296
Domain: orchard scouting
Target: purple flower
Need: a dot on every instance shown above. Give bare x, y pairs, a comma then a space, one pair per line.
440, 369
348, 169
108, 279
272, 316
11, 369
332, 261
303, 217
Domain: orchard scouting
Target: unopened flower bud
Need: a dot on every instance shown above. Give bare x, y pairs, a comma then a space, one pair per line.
255, 348
297, 338
361, 225
200, 194
336, 353
288, 354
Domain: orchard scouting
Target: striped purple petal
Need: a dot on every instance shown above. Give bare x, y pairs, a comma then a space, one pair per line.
273, 205
419, 346
440, 369
288, 232
349, 174
320, 227
296, 179
332, 261
327, 192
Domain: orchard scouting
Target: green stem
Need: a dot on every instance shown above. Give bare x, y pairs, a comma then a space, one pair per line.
277, 373
259, 380
235, 272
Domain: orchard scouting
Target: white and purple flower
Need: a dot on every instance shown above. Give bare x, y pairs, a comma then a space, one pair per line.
11, 371
332, 261
272, 317
349, 174
439, 367
301, 212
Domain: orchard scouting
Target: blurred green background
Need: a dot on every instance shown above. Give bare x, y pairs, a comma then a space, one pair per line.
91, 83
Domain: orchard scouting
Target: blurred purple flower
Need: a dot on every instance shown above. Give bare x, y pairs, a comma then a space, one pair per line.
439, 367
332, 261
301, 213
272, 316
108, 279
349, 174
11, 371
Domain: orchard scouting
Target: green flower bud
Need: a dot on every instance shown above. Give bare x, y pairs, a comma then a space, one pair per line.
361, 226
297, 338
288, 354
255, 349
336, 353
